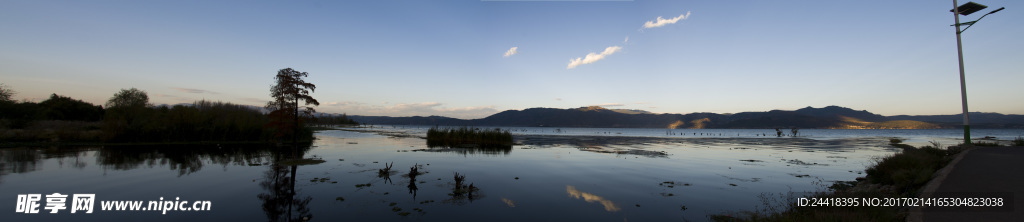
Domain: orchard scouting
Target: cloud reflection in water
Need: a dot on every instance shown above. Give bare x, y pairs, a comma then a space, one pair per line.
590, 198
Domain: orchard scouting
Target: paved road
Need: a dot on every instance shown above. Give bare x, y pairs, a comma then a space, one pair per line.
988, 170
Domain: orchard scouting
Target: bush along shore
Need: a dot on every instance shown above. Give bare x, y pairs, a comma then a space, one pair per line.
468, 137
901, 175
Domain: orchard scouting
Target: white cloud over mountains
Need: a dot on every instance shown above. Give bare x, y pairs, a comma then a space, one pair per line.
593, 57
512, 51
659, 22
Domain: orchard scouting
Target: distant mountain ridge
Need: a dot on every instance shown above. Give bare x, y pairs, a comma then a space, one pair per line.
830, 117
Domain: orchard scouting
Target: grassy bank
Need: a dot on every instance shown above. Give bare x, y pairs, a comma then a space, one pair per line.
465, 136
899, 175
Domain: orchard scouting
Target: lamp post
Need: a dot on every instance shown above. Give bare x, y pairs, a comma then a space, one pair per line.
966, 9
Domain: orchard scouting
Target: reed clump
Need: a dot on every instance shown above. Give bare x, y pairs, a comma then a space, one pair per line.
465, 136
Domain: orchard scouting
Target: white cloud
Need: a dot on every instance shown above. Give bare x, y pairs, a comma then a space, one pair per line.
409, 109
659, 22
593, 57
189, 90
512, 51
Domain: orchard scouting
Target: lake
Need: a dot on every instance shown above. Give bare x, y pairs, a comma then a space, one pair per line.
554, 174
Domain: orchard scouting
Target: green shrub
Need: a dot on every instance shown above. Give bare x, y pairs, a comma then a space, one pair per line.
909, 169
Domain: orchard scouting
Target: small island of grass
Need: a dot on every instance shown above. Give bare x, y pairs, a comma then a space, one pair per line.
465, 136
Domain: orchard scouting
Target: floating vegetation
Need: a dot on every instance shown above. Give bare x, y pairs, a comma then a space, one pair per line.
339, 199
299, 162
517, 178
403, 214
468, 137
732, 184
321, 180
363, 185
799, 162
667, 194
895, 140
669, 184
392, 204
752, 161
396, 209
800, 175
426, 201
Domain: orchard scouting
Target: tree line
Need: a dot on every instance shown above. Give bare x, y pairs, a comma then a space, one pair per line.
129, 117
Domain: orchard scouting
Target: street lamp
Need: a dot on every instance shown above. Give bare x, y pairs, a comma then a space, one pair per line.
966, 9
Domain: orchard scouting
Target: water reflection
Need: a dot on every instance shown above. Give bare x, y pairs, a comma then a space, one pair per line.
184, 159
639, 145
280, 199
281, 202
24, 160
590, 198
491, 150
412, 181
508, 202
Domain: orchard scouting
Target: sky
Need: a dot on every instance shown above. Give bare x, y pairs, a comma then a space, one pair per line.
471, 59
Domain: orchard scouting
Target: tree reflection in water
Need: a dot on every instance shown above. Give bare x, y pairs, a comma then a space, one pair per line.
281, 202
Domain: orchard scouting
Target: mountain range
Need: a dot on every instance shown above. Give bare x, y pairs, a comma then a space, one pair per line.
830, 117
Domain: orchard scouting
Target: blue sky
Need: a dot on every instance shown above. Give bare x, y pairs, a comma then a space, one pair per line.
402, 58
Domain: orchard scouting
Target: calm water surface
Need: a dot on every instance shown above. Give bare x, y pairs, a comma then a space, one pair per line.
630, 174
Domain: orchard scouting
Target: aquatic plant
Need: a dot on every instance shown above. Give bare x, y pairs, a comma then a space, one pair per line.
465, 136
895, 140
459, 179
386, 172
413, 172
1019, 141
306, 161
